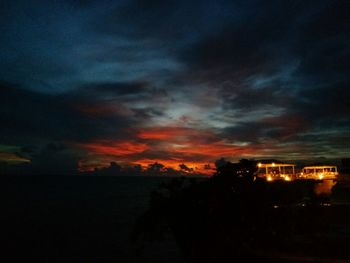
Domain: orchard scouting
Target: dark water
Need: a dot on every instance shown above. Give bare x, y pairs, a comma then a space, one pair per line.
80, 219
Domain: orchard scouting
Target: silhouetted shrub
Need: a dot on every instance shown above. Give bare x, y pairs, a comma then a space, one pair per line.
231, 214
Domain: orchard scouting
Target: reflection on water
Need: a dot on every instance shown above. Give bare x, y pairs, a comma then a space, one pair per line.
324, 188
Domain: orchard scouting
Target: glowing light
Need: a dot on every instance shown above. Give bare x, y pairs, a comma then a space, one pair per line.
273, 164
320, 172
259, 164
287, 178
269, 178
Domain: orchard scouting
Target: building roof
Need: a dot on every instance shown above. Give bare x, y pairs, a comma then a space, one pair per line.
264, 165
319, 167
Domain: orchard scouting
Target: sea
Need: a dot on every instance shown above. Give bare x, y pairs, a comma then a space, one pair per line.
78, 219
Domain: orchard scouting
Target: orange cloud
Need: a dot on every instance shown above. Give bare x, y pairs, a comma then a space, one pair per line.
213, 150
116, 149
176, 134
163, 133
170, 146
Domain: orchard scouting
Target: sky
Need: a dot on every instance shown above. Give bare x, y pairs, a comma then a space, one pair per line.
182, 83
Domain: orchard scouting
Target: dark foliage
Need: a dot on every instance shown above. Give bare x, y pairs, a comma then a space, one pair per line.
233, 215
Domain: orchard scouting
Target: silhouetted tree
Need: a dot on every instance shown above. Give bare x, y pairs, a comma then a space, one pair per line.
229, 215
207, 166
220, 162
244, 169
115, 168
155, 168
185, 168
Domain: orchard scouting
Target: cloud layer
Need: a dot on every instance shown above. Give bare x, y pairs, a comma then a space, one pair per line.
138, 82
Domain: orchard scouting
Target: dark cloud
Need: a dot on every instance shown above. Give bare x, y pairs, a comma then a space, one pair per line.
172, 80
244, 97
49, 127
167, 21
290, 58
278, 46
251, 44
27, 115
318, 122
323, 44
54, 159
328, 19
113, 89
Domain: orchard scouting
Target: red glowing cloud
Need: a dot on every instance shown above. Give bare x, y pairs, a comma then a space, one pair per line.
165, 133
213, 150
170, 146
173, 135
115, 148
